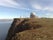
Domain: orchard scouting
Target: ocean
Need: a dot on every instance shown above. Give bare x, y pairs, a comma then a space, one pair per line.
4, 27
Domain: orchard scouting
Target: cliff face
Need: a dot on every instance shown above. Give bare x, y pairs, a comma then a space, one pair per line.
30, 29
17, 26
12, 30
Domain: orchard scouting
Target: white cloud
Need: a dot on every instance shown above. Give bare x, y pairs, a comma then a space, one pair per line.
8, 3
48, 8
39, 7
48, 14
42, 5
11, 3
36, 6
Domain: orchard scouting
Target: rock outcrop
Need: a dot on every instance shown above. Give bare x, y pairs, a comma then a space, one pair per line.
20, 25
31, 29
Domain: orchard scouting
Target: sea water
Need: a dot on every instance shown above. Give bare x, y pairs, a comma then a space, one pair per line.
4, 27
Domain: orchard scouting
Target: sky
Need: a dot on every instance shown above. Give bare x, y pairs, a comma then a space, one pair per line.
10, 9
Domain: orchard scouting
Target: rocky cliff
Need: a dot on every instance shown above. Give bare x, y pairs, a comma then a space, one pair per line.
30, 29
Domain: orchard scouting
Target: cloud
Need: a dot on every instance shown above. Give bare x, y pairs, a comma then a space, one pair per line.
12, 3
8, 3
39, 7
36, 6
48, 14
45, 5
48, 8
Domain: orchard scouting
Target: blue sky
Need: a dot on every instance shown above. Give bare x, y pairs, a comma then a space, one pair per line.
15, 8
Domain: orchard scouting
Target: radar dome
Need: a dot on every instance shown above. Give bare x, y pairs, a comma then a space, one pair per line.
32, 15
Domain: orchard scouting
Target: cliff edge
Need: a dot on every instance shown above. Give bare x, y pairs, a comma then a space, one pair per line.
30, 29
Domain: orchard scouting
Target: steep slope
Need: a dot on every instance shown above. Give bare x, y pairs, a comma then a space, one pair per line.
31, 29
